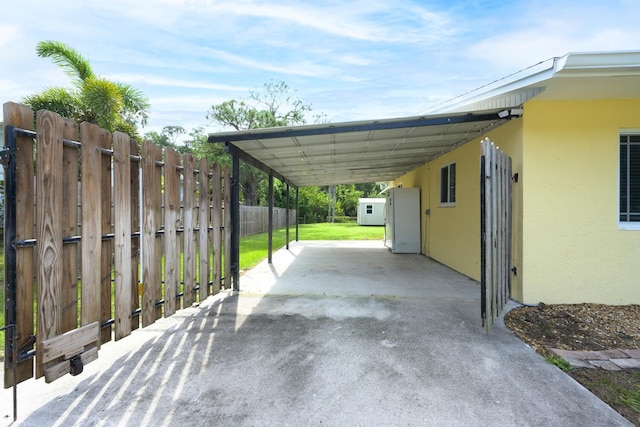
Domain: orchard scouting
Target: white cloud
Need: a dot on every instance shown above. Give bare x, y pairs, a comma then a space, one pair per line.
171, 82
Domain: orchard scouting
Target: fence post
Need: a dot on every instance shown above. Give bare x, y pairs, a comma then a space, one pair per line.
19, 175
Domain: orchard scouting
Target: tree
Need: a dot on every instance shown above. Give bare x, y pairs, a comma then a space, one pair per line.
198, 143
168, 137
313, 204
275, 106
115, 106
348, 199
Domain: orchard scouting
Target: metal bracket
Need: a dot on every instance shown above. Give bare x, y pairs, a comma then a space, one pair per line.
515, 176
5, 153
26, 351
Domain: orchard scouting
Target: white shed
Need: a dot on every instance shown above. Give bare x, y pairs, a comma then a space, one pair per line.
371, 211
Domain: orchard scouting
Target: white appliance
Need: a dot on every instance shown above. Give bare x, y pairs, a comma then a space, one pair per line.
402, 220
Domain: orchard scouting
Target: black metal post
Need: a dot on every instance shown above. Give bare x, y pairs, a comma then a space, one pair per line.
287, 218
270, 241
235, 222
297, 211
10, 254
483, 239
10, 260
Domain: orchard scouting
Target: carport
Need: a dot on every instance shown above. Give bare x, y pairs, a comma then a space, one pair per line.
347, 153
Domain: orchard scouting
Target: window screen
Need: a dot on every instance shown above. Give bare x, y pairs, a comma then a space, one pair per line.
448, 184
629, 178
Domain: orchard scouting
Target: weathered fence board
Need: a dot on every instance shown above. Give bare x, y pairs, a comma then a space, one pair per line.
171, 220
106, 262
216, 221
189, 257
150, 225
203, 234
49, 229
92, 213
495, 180
135, 228
227, 227
69, 289
122, 233
22, 117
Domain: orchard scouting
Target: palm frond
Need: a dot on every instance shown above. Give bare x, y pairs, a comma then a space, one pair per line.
135, 104
74, 64
102, 102
56, 99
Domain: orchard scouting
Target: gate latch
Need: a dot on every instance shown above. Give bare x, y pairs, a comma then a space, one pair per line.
5, 153
76, 366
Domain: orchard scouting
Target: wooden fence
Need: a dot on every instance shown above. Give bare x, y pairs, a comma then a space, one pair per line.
255, 219
495, 229
146, 241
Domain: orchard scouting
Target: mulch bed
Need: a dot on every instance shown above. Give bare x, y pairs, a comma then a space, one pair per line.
587, 327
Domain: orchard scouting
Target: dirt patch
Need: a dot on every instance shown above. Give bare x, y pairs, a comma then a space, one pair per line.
587, 327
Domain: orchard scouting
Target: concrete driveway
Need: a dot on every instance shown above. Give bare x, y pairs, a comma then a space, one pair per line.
333, 333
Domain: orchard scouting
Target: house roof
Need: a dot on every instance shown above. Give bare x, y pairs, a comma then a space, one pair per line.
574, 76
382, 150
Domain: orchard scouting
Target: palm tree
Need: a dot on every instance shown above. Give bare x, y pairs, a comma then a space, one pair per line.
114, 106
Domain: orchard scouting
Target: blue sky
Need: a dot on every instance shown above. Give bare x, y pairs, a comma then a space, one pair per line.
351, 60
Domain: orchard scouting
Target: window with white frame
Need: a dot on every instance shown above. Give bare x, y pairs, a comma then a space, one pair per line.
448, 185
369, 209
630, 180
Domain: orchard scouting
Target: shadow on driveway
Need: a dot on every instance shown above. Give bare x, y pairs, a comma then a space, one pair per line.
333, 333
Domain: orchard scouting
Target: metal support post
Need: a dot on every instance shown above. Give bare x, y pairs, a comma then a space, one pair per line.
270, 240
235, 222
297, 211
287, 218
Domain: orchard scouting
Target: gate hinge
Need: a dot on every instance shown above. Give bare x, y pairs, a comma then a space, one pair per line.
515, 176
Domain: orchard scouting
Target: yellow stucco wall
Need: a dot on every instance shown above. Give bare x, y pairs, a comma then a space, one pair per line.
567, 245
451, 235
573, 248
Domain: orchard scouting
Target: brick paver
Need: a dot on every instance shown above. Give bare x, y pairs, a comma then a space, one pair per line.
612, 360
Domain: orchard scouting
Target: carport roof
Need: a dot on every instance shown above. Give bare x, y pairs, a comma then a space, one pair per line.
356, 152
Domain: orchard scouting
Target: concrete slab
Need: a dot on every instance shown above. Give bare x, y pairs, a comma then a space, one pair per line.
627, 363
379, 339
605, 364
632, 353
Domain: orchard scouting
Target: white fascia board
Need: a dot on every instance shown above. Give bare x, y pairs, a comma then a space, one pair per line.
517, 81
608, 64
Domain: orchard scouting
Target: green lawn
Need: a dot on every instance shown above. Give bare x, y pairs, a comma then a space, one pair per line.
253, 249
340, 231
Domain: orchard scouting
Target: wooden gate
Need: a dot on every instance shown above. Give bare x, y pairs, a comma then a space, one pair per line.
495, 230
100, 240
